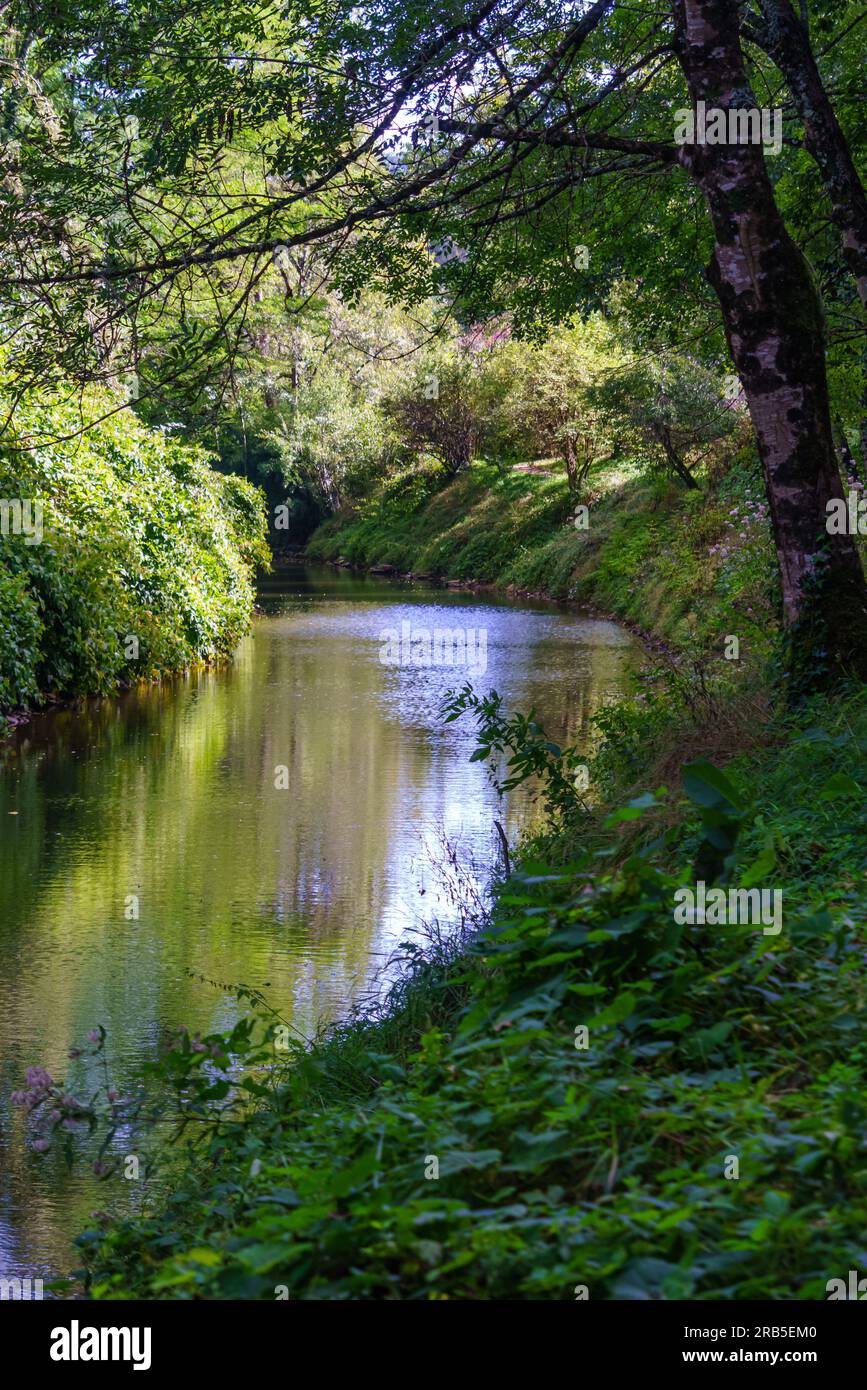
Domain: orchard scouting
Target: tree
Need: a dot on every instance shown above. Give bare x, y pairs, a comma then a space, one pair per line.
552, 403
332, 437
785, 37
774, 327
672, 404
438, 411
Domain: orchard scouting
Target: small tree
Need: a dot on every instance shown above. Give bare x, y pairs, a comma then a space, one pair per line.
439, 411
673, 407
553, 405
333, 437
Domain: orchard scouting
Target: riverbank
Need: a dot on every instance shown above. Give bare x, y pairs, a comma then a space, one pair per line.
590, 1094
677, 566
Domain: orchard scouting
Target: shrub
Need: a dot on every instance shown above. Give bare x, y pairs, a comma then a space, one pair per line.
141, 539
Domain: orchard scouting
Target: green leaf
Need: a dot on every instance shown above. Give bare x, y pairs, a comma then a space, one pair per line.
707, 786
617, 1011
758, 871
631, 811
840, 784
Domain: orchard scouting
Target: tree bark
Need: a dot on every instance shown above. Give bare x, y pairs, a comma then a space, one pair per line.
786, 41
773, 323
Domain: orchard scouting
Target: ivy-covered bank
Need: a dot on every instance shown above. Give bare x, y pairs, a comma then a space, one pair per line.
123, 554
593, 1094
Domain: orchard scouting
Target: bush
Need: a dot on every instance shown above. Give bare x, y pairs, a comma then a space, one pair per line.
146, 559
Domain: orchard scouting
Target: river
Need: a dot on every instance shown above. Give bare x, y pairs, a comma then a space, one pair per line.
277, 823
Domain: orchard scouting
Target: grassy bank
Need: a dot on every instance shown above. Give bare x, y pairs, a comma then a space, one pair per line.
684, 564
139, 558
586, 1096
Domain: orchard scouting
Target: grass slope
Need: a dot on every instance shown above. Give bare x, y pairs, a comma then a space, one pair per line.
680, 563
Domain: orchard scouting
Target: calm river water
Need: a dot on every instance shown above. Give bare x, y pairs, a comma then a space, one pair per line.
167, 796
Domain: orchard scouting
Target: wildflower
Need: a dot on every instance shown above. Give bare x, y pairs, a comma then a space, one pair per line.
40, 1145
38, 1078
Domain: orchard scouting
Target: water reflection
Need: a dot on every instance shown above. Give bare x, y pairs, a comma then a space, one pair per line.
163, 804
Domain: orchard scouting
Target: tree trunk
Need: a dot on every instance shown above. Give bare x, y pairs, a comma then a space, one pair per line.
786, 41
773, 324
571, 464
676, 464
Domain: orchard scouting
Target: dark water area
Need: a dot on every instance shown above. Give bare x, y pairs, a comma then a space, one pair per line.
277, 822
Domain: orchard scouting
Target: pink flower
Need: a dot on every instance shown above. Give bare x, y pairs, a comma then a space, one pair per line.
94, 1035
40, 1145
38, 1078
